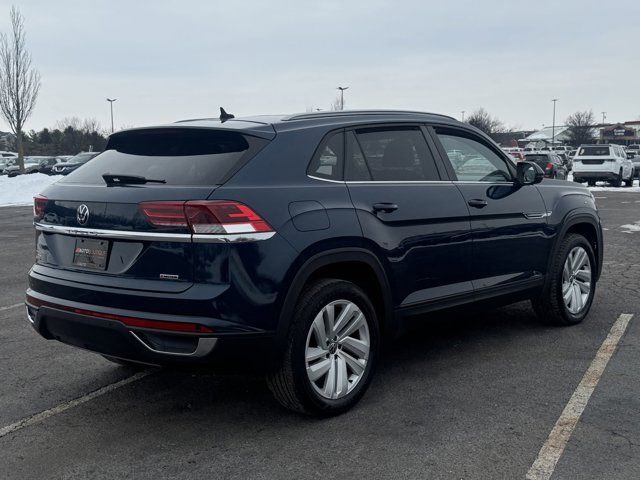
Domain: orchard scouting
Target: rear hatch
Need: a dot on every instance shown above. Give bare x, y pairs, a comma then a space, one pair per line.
113, 216
594, 155
541, 160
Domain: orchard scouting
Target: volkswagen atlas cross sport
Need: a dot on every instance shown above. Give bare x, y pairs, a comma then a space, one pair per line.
300, 242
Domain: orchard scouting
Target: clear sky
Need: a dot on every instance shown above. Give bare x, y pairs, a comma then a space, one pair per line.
170, 60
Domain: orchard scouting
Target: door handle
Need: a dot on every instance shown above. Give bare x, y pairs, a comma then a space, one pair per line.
384, 207
477, 203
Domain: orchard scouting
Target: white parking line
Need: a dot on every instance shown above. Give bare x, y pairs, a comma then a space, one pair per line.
9, 307
39, 417
551, 451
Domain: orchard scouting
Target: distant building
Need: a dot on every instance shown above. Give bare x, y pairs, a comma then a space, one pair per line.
544, 137
620, 133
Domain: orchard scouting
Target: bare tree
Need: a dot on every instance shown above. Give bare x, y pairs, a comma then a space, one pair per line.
581, 127
73, 122
482, 120
19, 81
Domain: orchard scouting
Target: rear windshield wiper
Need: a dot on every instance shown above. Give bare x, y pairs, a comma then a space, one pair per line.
116, 179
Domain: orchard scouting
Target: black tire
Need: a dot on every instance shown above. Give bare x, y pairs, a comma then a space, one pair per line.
289, 382
617, 182
591, 183
549, 305
629, 182
124, 363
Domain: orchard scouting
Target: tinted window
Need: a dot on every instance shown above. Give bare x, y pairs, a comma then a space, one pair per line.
178, 156
593, 151
327, 161
397, 154
355, 167
474, 161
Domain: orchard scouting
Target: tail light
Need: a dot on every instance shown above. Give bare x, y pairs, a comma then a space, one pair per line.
39, 204
549, 166
206, 217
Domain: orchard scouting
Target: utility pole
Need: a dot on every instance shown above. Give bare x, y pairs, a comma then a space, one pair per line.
342, 89
111, 100
604, 117
553, 128
463, 115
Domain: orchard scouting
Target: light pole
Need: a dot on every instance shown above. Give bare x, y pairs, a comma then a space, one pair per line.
342, 89
111, 100
553, 128
463, 115
604, 117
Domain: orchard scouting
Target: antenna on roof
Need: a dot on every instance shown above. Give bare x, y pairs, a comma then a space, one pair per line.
224, 116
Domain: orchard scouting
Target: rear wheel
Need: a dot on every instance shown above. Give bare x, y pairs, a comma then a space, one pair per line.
617, 182
568, 293
629, 181
592, 183
331, 350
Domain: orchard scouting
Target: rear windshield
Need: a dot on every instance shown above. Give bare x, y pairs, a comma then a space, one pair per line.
593, 151
177, 156
538, 159
633, 147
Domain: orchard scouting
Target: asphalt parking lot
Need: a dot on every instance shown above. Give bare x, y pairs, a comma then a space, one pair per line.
465, 395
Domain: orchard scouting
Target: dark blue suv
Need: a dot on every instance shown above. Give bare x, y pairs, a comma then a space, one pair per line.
300, 243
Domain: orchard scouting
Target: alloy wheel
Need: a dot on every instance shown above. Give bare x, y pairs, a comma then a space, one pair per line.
337, 349
576, 280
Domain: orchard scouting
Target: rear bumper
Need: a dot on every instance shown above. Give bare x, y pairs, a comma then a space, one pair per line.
595, 175
85, 326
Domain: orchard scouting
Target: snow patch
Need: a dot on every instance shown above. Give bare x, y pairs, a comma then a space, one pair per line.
631, 227
605, 187
20, 190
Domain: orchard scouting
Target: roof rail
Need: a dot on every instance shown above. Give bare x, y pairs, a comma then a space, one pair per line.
348, 113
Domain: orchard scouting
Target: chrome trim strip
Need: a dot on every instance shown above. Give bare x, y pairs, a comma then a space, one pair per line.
205, 347
233, 238
326, 179
115, 234
32, 320
536, 215
157, 237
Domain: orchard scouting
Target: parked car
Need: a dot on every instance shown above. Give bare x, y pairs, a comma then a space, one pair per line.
31, 165
516, 153
73, 163
603, 162
550, 163
300, 243
5, 163
47, 164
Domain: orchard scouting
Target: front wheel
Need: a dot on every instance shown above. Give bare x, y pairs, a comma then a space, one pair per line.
331, 350
568, 292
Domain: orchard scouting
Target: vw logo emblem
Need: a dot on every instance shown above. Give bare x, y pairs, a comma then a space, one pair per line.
82, 214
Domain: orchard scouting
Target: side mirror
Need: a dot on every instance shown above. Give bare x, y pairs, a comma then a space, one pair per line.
528, 173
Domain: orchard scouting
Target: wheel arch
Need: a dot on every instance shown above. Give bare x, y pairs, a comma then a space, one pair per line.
589, 227
354, 264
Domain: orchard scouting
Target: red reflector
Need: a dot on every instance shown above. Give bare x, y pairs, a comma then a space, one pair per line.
144, 323
165, 214
39, 204
135, 322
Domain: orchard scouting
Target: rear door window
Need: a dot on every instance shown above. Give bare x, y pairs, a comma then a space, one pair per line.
178, 156
396, 154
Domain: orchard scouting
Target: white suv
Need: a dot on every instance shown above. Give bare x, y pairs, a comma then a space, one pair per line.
602, 162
